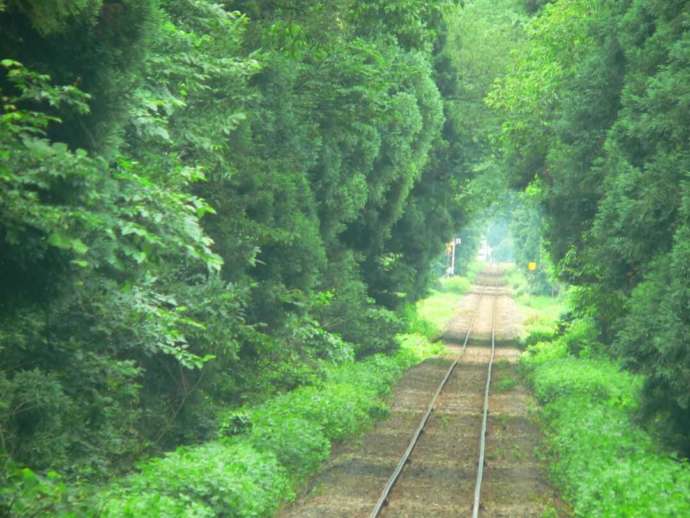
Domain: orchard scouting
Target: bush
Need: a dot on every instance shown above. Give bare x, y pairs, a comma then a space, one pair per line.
299, 445
608, 467
540, 332
267, 451
342, 410
543, 352
32, 414
582, 338
155, 504
417, 324
228, 479
604, 463
433, 313
25, 493
596, 380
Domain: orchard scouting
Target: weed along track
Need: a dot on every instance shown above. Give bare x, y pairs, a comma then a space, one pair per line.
458, 442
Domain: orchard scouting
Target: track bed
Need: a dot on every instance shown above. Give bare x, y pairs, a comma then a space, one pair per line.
390, 472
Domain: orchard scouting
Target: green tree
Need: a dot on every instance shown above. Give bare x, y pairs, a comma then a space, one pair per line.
596, 111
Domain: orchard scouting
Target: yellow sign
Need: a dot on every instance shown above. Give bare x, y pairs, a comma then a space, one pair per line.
531, 266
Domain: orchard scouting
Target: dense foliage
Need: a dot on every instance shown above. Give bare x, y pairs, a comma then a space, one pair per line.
596, 121
203, 203
604, 462
260, 457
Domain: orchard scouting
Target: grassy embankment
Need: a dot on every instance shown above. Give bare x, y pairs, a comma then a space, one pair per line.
264, 453
604, 463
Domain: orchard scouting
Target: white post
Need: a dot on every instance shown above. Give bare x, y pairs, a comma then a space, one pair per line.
452, 258
456, 241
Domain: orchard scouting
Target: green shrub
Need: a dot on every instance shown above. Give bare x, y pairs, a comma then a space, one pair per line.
604, 463
505, 384
298, 444
26, 493
32, 414
376, 374
267, 451
155, 504
229, 479
341, 411
416, 324
597, 380
542, 352
431, 314
384, 326
540, 331
582, 338
608, 467
544, 318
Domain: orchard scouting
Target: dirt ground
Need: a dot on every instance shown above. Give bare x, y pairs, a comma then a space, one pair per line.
439, 480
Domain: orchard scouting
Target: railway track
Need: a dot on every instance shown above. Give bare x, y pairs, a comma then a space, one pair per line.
442, 404
489, 286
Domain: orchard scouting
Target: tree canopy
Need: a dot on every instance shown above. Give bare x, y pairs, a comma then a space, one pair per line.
595, 119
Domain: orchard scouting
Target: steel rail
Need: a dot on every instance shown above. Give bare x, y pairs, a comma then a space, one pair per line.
383, 499
482, 437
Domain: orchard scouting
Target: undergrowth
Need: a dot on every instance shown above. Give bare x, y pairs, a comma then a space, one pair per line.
261, 457
262, 453
605, 464
268, 450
